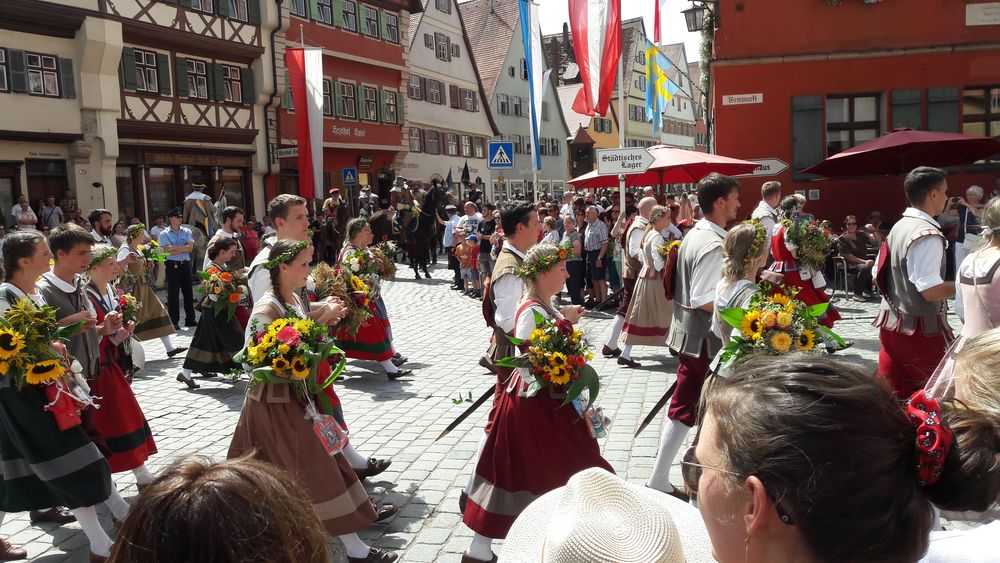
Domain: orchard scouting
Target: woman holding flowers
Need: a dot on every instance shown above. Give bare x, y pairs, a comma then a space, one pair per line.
218, 337
647, 320
154, 322
278, 421
373, 341
536, 443
119, 419
798, 262
28, 433
744, 253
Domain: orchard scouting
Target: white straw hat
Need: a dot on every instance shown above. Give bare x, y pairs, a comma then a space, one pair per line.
598, 517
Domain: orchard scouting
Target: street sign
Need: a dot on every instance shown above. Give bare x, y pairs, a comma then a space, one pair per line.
350, 176
623, 161
501, 155
742, 99
766, 167
288, 152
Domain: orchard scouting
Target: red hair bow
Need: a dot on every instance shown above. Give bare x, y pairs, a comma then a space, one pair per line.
933, 437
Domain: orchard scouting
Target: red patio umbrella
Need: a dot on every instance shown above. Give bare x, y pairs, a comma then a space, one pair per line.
670, 166
902, 150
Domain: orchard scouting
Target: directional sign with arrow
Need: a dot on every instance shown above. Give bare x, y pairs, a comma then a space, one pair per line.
767, 167
623, 161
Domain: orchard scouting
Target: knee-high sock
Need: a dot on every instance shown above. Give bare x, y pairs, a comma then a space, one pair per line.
186, 373
626, 352
142, 475
481, 548
100, 543
672, 440
355, 547
616, 331
354, 458
116, 504
475, 462
167, 342
389, 366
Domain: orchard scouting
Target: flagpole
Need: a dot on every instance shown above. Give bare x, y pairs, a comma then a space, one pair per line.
622, 118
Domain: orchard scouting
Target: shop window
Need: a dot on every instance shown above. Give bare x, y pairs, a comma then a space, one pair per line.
350, 17
452, 139
298, 8
850, 120
371, 22
907, 110
416, 87
434, 91
466, 145
807, 134
433, 142
232, 83
324, 11
327, 97
197, 79
370, 103
232, 179
145, 71
4, 85
160, 187
981, 113
205, 6
480, 147
416, 140
348, 100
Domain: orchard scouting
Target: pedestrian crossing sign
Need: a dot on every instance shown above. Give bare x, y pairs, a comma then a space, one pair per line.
350, 176
501, 155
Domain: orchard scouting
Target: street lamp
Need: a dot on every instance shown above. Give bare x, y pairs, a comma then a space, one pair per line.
695, 15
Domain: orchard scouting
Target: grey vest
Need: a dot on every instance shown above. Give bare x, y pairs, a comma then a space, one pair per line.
691, 328
906, 310
85, 347
630, 265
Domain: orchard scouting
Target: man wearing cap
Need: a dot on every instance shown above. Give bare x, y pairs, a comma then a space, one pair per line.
198, 210
449, 242
178, 243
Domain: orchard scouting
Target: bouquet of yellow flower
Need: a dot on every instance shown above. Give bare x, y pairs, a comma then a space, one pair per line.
223, 290
557, 355
812, 239
666, 249
26, 335
773, 324
128, 306
151, 252
349, 289
289, 351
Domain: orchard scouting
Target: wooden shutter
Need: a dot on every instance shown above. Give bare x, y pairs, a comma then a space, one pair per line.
181, 76
163, 73
222, 8
217, 83
400, 102
338, 12
428, 40
253, 11
906, 109
380, 104
338, 100
456, 98
807, 134
359, 99
384, 27
246, 79
475, 101
447, 44
423, 89
128, 68
66, 78
312, 9
943, 110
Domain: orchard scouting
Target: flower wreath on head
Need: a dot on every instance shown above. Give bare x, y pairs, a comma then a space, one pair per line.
287, 255
545, 263
134, 230
759, 239
102, 256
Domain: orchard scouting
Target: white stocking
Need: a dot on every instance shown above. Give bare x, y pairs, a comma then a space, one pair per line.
100, 543
626, 352
672, 440
354, 458
142, 475
355, 547
167, 342
616, 332
117, 505
389, 366
481, 548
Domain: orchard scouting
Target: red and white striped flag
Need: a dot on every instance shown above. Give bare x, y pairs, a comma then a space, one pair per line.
597, 42
305, 77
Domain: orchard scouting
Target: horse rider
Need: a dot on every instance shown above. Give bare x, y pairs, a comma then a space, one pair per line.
199, 211
367, 202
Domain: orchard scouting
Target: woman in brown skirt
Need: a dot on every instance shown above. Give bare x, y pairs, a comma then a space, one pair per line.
648, 318
273, 422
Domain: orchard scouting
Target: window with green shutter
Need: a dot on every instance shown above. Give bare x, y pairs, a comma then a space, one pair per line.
216, 83
66, 78
163, 73
944, 110
390, 27
181, 76
127, 67
907, 110
807, 134
249, 90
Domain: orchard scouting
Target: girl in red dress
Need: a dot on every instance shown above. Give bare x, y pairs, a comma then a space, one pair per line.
536, 444
119, 420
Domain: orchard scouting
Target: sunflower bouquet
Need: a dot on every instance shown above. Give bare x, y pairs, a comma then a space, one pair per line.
666, 249
557, 355
223, 290
288, 351
773, 324
151, 252
812, 239
351, 290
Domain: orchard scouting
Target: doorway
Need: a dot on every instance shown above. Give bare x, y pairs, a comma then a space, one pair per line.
45, 178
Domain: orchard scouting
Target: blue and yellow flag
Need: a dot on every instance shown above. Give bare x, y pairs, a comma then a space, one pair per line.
659, 88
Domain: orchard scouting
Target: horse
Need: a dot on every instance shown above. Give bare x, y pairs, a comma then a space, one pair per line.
419, 241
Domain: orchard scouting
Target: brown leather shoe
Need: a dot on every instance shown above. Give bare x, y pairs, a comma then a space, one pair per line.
375, 555
467, 559
607, 352
629, 363
11, 553
463, 499
57, 515
94, 558
375, 466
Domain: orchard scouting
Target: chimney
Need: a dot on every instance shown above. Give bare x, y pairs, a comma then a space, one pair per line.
567, 46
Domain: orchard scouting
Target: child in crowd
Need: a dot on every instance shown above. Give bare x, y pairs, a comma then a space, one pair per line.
468, 259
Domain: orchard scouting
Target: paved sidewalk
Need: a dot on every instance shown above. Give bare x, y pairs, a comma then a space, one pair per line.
443, 334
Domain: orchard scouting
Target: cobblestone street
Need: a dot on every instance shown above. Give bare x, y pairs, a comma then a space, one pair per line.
443, 335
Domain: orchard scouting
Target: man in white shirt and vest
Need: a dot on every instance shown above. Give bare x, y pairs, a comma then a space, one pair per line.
699, 267
910, 269
766, 211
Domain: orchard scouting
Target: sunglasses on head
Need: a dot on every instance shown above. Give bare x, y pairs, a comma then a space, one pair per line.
691, 470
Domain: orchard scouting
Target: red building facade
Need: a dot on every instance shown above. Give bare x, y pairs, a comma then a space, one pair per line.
800, 81
364, 77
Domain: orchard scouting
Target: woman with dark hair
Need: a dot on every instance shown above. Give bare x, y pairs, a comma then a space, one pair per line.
235, 511
803, 458
373, 341
218, 337
274, 427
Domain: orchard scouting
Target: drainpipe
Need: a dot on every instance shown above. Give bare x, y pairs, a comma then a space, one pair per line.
270, 102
